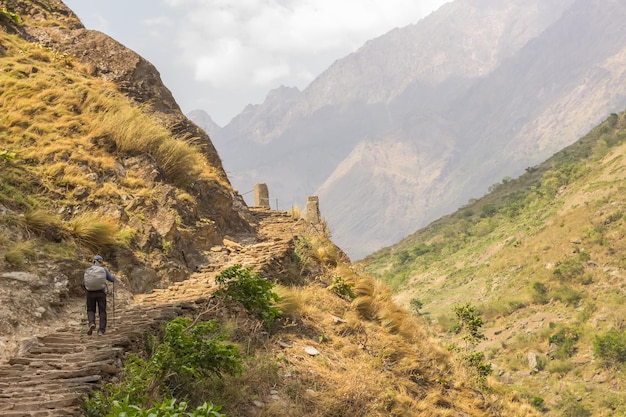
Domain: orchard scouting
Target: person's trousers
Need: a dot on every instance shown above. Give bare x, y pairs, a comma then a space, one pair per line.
97, 298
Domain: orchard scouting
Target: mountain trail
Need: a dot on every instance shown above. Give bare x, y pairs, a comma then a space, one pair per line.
53, 372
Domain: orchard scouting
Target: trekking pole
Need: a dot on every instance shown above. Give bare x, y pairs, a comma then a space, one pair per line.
113, 304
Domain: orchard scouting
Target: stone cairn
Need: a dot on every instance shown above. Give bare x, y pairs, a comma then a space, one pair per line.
312, 213
261, 196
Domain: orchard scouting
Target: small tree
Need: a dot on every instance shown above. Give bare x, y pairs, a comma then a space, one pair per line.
471, 324
416, 305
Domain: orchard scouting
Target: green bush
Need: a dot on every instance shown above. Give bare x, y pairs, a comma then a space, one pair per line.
167, 408
195, 351
255, 293
342, 288
569, 269
476, 361
537, 402
189, 352
611, 347
539, 293
567, 295
565, 340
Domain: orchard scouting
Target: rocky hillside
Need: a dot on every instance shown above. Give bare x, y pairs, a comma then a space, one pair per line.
95, 157
418, 121
541, 260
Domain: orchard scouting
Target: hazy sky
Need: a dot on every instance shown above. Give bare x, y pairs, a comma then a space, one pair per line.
220, 55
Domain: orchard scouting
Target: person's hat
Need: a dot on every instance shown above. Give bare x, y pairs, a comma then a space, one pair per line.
98, 259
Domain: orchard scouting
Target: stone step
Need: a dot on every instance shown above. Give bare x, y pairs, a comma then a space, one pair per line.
58, 412
44, 388
54, 401
92, 371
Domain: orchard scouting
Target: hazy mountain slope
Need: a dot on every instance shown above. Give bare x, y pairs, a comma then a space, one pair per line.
541, 258
531, 106
505, 83
204, 121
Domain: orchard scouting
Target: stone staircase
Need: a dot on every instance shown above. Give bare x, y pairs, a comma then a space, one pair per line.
53, 373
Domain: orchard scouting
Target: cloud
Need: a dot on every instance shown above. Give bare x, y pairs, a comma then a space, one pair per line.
220, 55
268, 41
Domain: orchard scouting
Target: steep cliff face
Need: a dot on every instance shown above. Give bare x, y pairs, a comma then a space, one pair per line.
476, 92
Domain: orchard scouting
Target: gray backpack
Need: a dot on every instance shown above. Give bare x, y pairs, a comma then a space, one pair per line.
95, 278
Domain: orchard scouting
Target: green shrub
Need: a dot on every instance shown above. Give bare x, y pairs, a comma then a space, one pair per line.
539, 293
565, 339
416, 305
167, 408
14, 17
476, 361
569, 269
255, 293
537, 402
342, 288
611, 347
566, 295
6, 154
190, 352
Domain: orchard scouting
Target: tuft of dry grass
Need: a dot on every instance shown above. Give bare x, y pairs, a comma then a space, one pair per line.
43, 223
19, 253
291, 301
295, 211
133, 131
93, 232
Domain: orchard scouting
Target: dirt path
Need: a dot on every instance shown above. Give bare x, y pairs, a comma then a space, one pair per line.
52, 373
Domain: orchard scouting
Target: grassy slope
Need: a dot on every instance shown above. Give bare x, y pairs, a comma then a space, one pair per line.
63, 134
542, 258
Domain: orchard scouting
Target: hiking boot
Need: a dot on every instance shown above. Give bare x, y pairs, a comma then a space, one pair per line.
100, 332
91, 329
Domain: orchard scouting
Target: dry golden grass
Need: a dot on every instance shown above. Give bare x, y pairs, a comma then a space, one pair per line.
70, 133
43, 223
18, 254
92, 231
375, 359
291, 301
295, 211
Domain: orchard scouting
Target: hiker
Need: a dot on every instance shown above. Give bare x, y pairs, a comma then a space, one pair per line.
95, 286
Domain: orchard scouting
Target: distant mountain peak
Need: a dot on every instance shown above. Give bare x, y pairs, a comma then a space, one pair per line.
204, 121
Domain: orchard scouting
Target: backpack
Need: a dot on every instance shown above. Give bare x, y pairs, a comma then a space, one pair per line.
95, 278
